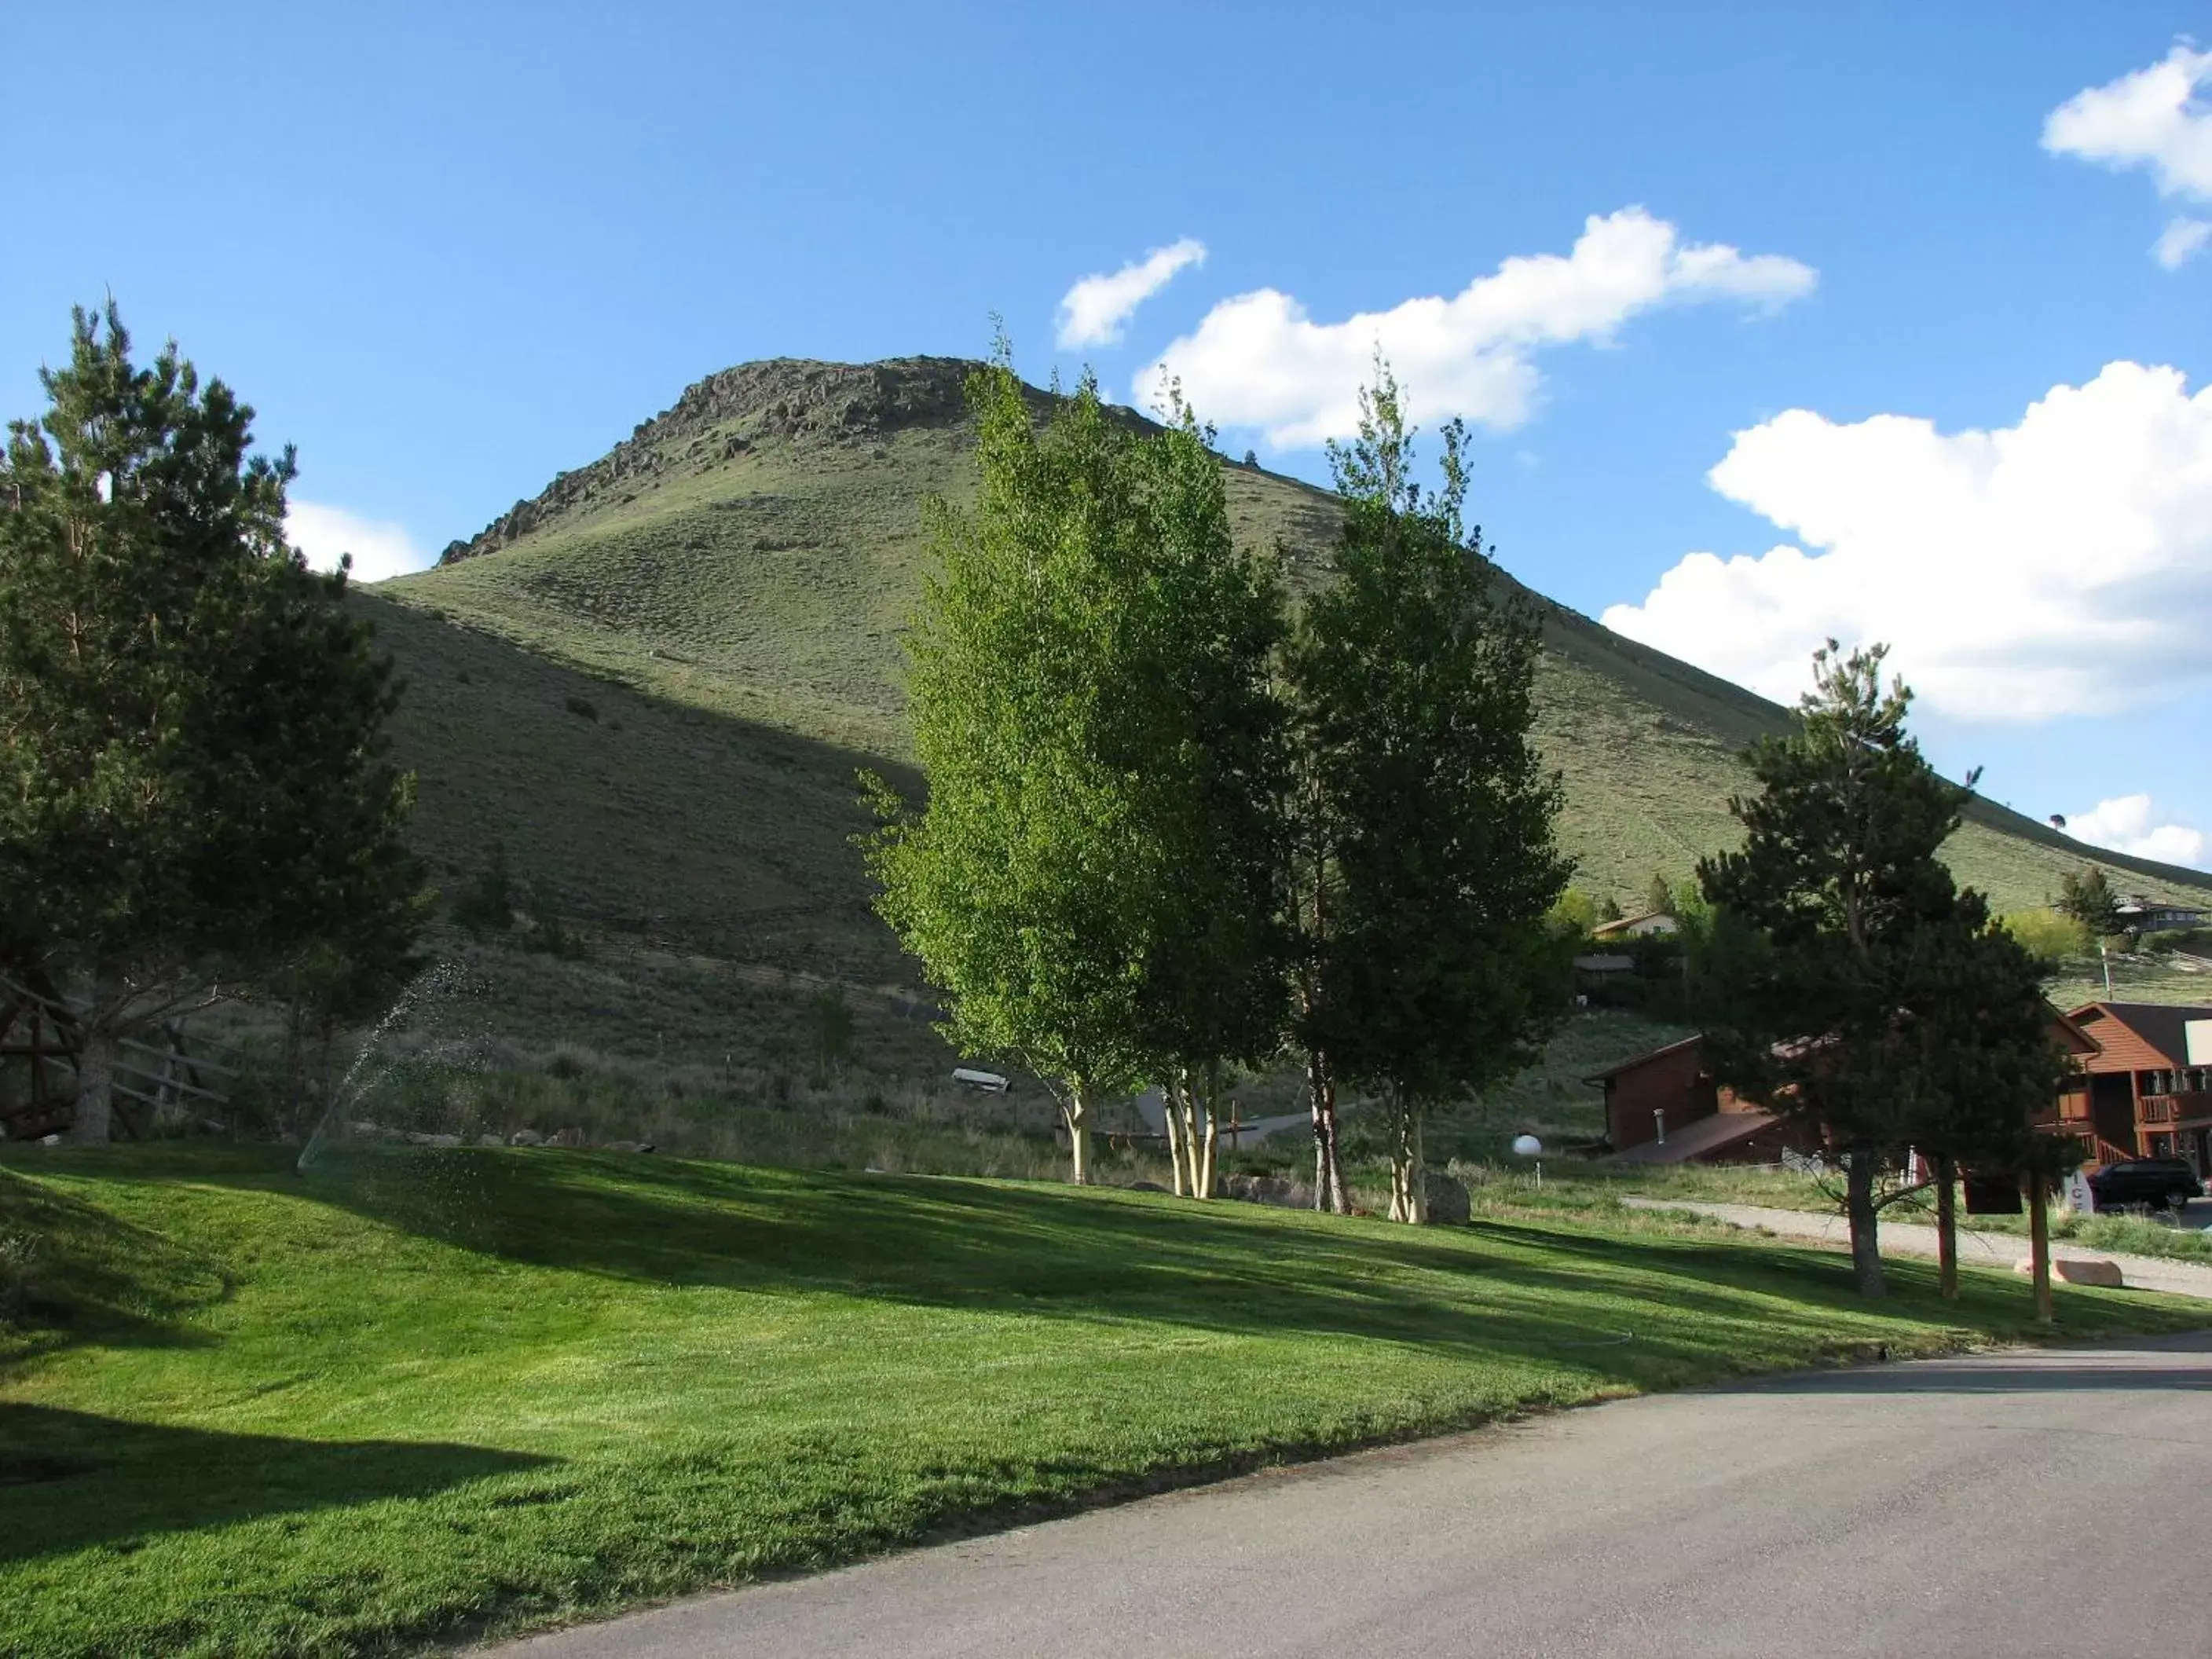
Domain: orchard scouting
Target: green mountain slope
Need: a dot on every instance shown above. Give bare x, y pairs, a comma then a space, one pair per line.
726, 589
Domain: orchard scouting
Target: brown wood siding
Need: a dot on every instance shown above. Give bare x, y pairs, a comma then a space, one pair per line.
2119, 1050
1672, 1081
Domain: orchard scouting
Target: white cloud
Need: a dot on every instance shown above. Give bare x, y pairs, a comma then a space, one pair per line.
2180, 239
379, 547
1258, 360
2151, 119
2060, 566
2124, 825
1093, 311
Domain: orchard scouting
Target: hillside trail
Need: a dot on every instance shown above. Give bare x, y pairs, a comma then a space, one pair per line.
2141, 1272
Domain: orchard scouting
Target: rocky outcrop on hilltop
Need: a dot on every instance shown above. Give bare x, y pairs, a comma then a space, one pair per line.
783, 400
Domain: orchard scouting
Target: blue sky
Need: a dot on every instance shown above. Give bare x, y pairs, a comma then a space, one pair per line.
448, 251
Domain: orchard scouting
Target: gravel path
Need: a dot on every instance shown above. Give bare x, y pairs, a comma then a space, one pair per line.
2141, 1272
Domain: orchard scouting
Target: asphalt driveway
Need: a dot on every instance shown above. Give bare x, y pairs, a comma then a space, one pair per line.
2037, 1503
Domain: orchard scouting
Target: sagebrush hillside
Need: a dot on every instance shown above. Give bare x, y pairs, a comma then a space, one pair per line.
655, 681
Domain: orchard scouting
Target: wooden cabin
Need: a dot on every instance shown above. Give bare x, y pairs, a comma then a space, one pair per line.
1664, 1106
2145, 1091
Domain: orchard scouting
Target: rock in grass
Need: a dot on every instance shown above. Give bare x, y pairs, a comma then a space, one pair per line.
2077, 1270
1279, 1190
1447, 1199
526, 1138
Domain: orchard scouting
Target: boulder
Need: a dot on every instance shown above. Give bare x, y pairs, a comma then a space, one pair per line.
2076, 1270
417, 1138
1446, 1198
565, 1138
526, 1138
1279, 1190
489, 1140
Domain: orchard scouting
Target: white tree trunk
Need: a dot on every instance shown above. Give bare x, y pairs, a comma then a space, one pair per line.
1197, 1132
1408, 1200
1170, 1122
1077, 1111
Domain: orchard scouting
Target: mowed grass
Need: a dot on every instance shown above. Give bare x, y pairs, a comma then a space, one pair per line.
417, 1396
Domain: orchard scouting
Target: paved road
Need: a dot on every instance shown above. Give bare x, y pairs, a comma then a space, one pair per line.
2141, 1272
2027, 1503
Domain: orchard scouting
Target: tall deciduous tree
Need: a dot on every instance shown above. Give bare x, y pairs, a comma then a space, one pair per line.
1094, 880
1839, 870
1431, 861
194, 785
1206, 741
1024, 885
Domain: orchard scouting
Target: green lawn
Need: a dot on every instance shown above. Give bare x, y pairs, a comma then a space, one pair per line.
1594, 1193
417, 1395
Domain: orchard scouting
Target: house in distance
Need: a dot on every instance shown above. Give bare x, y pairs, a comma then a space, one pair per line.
2144, 1090
1652, 924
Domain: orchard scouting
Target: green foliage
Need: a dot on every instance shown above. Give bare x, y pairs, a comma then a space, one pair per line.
2049, 935
2196, 941
1024, 885
1575, 913
1886, 1007
193, 779
1659, 897
485, 903
1436, 974
2087, 896
1093, 881
1206, 747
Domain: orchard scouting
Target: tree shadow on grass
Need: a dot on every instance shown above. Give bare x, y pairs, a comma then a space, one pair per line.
69, 1479
1527, 1290
1605, 1308
72, 1273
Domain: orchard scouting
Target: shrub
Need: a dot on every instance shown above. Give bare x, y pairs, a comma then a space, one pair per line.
582, 708
2197, 941
2047, 935
485, 904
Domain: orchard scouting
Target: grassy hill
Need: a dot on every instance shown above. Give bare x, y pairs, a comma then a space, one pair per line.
419, 1396
654, 682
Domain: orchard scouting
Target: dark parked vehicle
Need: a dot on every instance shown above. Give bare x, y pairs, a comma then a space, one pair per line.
2168, 1182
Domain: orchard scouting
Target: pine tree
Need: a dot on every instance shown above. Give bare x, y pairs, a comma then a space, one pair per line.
1983, 1046
1861, 925
2088, 896
194, 791
1430, 969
